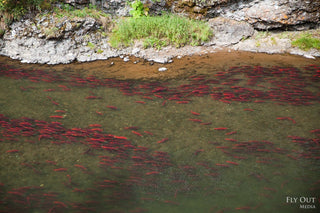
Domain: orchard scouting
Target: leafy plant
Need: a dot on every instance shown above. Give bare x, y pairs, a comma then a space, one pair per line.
138, 9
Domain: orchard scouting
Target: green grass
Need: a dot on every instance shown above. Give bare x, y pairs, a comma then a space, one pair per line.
306, 42
160, 31
70, 12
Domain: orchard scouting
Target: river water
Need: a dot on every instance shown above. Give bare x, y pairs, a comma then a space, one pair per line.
228, 132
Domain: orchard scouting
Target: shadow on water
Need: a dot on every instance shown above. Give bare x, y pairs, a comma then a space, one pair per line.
227, 132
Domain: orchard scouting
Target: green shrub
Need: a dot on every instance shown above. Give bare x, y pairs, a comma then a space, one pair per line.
159, 31
306, 42
138, 9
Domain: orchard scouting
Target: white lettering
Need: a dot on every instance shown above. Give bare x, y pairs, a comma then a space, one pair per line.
291, 199
313, 199
288, 199
307, 206
307, 199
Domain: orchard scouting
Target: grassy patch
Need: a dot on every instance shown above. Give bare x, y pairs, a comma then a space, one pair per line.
70, 12
306, 42
159, 31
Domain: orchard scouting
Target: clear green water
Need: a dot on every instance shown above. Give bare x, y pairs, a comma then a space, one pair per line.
169, 162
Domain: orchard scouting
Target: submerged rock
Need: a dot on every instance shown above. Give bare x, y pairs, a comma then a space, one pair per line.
162, 69
126, 59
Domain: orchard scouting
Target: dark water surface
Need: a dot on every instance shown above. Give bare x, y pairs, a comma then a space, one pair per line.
242, 136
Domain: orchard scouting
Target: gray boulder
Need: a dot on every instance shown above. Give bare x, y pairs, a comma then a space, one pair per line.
228, 32
270, 14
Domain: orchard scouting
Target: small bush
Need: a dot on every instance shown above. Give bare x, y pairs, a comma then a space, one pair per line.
306, 42
159, 31
138, 9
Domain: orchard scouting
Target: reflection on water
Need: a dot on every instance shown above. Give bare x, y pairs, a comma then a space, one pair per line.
241, 139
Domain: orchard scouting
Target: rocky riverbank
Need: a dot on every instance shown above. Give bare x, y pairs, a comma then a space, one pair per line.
56, 40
